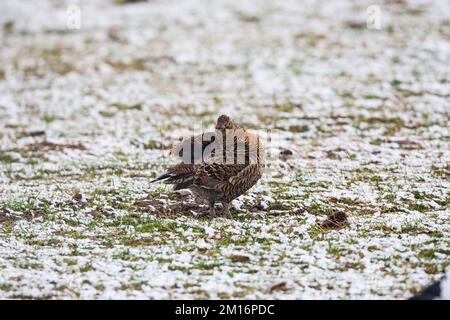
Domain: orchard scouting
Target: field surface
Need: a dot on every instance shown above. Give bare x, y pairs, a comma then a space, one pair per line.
87, 117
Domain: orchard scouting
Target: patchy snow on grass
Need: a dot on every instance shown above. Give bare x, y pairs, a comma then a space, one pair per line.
88, 116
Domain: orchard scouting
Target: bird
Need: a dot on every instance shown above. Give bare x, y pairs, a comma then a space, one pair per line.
217, 166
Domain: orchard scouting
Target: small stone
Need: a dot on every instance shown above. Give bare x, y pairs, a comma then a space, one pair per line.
78, 197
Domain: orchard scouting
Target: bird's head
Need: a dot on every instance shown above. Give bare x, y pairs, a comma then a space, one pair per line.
224, 122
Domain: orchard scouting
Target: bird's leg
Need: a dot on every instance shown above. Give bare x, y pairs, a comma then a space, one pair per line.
226, 210
212, 213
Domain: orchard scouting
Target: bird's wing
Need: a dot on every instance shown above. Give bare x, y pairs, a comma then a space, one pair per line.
237, 147
246, 153
180, 175
229, 180
250, 173
242, 181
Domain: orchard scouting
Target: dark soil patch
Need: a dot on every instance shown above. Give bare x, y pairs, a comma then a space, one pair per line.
51, 146
239, 258
281, 286
177, 205
37, 133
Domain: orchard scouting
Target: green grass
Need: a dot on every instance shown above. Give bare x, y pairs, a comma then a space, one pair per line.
7, 158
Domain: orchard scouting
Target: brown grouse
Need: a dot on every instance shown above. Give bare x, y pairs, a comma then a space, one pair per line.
217, 166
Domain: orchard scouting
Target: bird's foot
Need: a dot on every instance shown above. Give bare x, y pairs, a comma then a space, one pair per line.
212, 211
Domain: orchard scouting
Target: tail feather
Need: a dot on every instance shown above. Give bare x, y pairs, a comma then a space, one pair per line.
181, 176
161, 177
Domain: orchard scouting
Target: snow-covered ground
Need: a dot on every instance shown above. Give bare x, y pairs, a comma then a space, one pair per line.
87, 117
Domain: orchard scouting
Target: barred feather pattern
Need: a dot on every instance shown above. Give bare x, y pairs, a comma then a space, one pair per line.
240, 183
213, 177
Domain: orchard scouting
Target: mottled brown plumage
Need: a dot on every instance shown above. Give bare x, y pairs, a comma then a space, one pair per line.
217, 166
